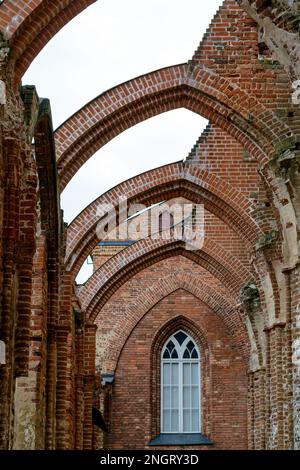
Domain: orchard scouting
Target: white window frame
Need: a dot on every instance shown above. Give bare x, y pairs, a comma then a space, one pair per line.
180, 361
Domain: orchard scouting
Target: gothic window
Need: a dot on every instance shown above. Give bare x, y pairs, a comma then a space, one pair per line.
180, 385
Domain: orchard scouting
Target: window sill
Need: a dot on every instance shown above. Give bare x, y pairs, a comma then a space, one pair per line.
180, 440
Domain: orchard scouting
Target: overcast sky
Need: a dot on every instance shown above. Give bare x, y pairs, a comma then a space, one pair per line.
110, 42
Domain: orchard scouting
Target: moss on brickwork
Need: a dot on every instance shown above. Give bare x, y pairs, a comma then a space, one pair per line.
250, 297
267, 240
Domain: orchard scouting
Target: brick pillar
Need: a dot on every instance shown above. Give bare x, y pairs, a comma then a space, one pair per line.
27, 256
53, 307
65, 302
50, 440
79, 390
288, 375
89, 383
71, 394
79, 417
65, 367
257, 412
274, 388
97, 433
26, 434
295, 333
29, 427
9, 278
62, 437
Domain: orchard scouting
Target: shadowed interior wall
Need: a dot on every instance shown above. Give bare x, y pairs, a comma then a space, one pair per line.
224, 379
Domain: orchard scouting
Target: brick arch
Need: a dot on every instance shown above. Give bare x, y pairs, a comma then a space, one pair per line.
121, 267
193, 87
164, 183
29, 26
148, 298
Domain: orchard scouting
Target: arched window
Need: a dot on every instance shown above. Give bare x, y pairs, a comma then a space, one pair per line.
180, 385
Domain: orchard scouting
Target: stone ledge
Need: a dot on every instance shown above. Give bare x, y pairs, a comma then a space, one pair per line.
180, 439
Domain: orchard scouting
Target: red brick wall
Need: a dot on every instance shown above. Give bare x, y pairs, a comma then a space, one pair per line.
102, 253
224, 384
248, 97
215, 229
220, 153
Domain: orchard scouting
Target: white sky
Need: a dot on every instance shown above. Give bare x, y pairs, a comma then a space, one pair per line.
110, 42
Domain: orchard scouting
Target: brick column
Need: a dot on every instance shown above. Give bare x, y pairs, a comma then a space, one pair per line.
89, 382
295, 322
30, 393
257, 412
61, 388
287, 376
50, 439
97, 433
79, 390
28, 253
79, 416
65, 369
9, 280
274, 386
53, 310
